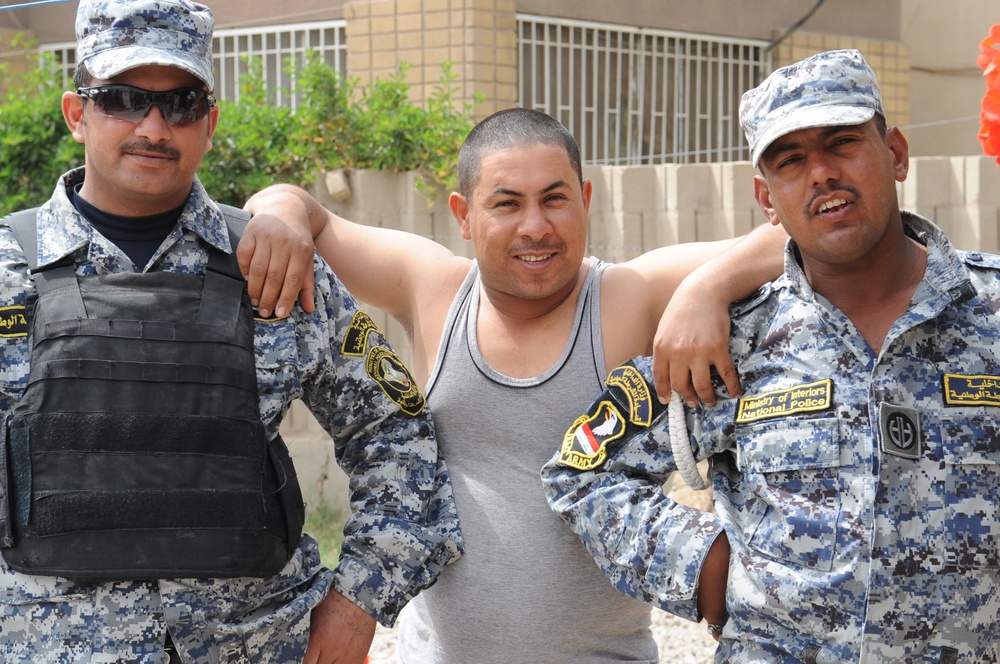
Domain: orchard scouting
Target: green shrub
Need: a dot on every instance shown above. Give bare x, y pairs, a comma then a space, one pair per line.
35, 145
338, 124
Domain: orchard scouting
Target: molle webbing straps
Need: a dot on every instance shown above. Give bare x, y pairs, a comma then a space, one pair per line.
137, 449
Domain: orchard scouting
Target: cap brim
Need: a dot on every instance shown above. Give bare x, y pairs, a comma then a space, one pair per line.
809, 117
111, 62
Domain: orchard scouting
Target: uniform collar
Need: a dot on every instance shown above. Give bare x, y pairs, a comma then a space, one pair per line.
63, 231
946, 272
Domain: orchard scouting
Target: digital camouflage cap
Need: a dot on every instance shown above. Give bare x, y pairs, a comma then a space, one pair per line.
828, 89
117, 35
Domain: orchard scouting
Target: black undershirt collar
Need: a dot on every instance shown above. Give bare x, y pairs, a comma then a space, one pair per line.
138, 237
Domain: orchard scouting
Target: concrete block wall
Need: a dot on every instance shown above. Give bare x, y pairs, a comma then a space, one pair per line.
633, 210
479, 38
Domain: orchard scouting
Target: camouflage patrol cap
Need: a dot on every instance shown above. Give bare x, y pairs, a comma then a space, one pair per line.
117, 35
825, 90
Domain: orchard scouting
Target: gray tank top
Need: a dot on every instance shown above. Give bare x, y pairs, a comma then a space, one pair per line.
526, 589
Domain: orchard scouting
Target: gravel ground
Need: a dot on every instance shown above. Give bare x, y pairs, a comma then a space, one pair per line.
679, 641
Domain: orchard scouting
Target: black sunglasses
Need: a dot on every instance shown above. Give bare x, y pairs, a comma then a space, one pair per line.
125, 102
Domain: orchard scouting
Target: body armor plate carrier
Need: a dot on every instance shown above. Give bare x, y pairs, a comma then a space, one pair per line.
137, 449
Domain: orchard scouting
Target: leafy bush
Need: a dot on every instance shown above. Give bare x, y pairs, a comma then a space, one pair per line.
338, 124
35, 145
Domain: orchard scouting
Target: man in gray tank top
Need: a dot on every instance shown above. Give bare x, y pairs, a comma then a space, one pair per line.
508, 347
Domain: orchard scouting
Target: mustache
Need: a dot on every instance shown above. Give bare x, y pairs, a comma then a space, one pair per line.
540, 247
826, 191
147, 147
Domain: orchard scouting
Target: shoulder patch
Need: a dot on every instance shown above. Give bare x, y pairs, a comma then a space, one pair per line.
13, 322
636, 390
356, 338
273, 318
395, 380
962, 390
584, 445
804, 398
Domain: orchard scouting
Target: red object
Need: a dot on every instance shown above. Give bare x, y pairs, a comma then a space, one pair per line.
989, 115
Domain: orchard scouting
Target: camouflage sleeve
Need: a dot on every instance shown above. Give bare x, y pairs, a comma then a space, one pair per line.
403, 527
605, 483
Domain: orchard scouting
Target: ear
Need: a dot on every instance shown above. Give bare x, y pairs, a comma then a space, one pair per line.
900, 149
460, 210
213, 122
762, 193
72, 110
588, 191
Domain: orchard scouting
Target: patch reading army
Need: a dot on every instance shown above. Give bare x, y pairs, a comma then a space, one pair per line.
584, 445
971, 390
356, 339
900, 428
395, 380
13, 322
636, 390
805, 398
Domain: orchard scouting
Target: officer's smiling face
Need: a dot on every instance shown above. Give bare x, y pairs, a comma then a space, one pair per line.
143, 167
834, 189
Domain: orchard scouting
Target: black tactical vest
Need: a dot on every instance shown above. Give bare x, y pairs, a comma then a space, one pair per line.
137, 449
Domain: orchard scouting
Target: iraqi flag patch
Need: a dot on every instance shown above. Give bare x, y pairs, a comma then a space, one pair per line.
585, 444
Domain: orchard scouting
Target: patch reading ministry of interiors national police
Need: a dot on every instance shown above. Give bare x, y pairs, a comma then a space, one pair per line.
962, 390
804, 398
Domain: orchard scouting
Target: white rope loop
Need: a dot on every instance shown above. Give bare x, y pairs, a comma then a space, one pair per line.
680, 445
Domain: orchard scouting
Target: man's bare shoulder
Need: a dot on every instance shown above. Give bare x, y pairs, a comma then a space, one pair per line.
627, 316
441, 280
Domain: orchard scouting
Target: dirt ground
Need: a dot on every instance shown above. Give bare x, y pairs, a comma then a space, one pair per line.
679, 641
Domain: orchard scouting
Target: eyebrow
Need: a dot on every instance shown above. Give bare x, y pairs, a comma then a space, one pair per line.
503, 191
777, 148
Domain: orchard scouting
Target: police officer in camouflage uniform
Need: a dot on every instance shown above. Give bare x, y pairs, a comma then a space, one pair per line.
857, 480
149, 512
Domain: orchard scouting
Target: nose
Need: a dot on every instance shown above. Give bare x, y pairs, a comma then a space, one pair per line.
823, 168
153, 125
535, 224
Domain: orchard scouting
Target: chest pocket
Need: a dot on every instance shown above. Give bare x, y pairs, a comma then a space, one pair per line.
971, 451
793, 497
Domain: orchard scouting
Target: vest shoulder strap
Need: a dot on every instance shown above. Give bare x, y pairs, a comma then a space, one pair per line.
24, 224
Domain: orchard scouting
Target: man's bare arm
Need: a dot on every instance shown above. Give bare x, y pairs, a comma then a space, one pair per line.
382, 267
693, 332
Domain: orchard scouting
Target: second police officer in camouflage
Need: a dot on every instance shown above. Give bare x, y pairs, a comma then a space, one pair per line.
857, 480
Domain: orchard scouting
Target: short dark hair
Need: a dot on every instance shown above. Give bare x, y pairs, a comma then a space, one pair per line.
82, 76
512, 127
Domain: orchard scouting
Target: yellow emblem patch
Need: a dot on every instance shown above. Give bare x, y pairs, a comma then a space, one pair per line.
13, 322
356, 339
971, 390
636, 390
395, 380
805, 398
585, 444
